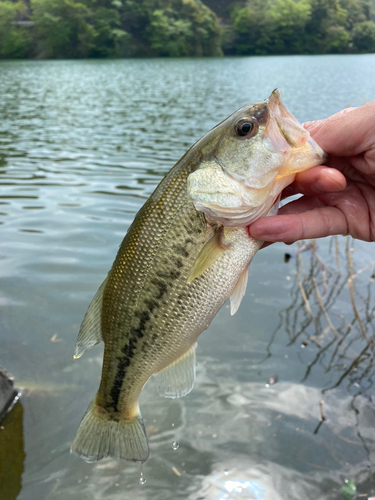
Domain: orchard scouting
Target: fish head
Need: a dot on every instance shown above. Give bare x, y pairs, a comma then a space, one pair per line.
248, 159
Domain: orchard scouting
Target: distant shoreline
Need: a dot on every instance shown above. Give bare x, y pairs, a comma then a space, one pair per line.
91, 29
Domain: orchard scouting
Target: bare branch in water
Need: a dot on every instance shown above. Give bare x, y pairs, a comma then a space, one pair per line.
320, 302
349, 253
322, 293
322, 417
337, 255
305, 299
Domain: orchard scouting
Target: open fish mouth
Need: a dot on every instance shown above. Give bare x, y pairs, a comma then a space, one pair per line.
285, 132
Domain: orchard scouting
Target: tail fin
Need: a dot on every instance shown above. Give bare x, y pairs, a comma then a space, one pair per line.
99, 436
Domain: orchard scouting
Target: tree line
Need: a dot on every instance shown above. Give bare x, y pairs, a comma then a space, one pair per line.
177, 28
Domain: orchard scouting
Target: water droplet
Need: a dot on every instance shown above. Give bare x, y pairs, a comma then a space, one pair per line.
172, 425
175, 445
142, 478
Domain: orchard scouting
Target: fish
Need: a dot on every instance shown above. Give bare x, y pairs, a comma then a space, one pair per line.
187, 251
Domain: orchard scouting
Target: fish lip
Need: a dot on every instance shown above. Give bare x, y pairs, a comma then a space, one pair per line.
277, 107
286, 123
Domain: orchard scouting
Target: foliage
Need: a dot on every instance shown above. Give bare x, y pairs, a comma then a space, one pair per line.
66, 28
14, 40
174, 27
177, 28
62, 27
300, 27
364, 36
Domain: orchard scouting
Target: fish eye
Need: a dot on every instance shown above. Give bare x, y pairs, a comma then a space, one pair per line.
245, 127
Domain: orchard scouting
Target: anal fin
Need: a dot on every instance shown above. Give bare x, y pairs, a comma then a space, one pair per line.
239, 291
211, 251
177, 379
90, 332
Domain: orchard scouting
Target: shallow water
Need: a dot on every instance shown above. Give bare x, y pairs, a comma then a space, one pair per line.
82, 146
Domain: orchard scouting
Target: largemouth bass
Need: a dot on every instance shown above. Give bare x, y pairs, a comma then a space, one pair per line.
187, 252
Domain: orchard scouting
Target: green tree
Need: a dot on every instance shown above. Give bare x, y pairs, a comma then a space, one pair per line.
170, 36
364, 36
62, 28
336, 40
251, 35
300, 26
322, 33
117, 28
173, 27
286, 22
108, 37
271, 26
14, 39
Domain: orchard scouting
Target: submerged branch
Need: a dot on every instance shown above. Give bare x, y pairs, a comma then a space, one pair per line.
322, 308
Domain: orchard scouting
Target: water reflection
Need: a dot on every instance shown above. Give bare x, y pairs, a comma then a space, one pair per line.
327, 310
332, 314
82, 145
250, 484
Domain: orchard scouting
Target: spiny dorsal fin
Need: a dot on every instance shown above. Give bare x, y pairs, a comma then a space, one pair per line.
211, 251
239, 291
90, 332
177, 379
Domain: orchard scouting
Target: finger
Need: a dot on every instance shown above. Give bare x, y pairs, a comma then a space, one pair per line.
347, 133
318, 223
316, 181
300, 205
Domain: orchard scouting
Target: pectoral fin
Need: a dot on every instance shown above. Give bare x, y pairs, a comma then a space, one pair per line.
207, 256
239, 291
90, 333
177, 379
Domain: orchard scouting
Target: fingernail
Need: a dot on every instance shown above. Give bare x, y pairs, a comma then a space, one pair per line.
268, 230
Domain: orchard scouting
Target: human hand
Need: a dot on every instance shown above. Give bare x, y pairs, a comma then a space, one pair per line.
338, 198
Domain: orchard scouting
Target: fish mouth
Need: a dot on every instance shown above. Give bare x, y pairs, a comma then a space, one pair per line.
288, 136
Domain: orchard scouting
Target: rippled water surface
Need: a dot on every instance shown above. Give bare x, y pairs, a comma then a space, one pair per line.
82, 146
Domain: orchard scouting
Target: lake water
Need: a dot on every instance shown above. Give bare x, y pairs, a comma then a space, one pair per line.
82, 146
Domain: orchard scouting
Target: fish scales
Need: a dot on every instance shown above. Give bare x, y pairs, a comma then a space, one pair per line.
187, 252
163, 304
141, 285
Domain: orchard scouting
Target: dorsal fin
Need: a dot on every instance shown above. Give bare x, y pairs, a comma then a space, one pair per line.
90, 332
177, 379
211, 251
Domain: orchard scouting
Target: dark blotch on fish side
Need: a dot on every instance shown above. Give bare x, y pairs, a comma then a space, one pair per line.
151, 304
128, 350
181, 250
162, 287
140, 331
124, 362
171, 275
178, 262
